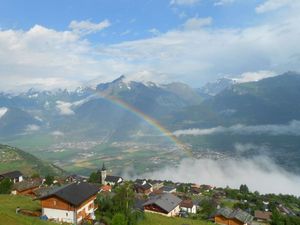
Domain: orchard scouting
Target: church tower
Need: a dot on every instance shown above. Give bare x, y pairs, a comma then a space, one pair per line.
103, 174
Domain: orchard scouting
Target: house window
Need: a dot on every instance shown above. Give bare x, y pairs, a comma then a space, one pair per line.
67, 214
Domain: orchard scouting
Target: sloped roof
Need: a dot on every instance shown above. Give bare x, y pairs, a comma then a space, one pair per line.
187, 204
165, 201
113, 179
12, 174
262, 215
25, 185
75, 193
235, 214
168, 188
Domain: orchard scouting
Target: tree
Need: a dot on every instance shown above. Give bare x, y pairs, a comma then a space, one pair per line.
49, 180
119, 219
124, 199
244, 189
5, 186
208, 206
94, 178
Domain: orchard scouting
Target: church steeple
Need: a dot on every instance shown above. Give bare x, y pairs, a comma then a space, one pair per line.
102, 174
103, 167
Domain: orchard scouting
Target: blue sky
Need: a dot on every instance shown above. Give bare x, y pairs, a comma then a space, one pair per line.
130, 19
53, 43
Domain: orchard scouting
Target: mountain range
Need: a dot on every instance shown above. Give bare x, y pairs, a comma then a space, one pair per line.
115, 111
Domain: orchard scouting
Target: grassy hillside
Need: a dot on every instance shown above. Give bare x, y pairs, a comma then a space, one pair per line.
15, 159
8, 205
154, 219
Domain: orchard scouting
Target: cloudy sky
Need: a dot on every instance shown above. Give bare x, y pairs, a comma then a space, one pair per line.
63, 43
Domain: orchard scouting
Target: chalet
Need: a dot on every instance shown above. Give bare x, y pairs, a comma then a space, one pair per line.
157, 184
168, 189
262, 216
143, 187
165, 204
188, 206
226, 216
70, 203
14, 176
26, 187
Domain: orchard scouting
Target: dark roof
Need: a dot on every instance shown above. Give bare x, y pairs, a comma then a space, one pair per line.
143, 185
12, 174
26, 185
140, 181
139, 204
235, 214
167, 188
75, 193
43, 191
165, 201
113, 179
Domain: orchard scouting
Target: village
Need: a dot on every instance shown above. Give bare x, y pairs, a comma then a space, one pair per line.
106, 199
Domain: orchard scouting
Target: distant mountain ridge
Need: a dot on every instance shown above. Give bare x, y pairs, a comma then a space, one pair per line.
88, 112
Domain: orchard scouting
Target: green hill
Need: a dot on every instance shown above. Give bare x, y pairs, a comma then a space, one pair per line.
15, 159
8, 205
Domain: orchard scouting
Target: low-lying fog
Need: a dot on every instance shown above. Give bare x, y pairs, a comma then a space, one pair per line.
259, 173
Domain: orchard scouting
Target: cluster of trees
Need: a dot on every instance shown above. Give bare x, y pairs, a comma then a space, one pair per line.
119, 208
5, 186
279, 219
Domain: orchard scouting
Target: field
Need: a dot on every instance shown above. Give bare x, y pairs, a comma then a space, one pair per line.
8, 205
154, 219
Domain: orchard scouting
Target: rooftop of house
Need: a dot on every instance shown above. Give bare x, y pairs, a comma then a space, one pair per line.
262, 215
26, 185
143, 184
43, 191
235, 214
166, 201
113, 179
106, 188
168, 188
11, 174
74, 194
187, 204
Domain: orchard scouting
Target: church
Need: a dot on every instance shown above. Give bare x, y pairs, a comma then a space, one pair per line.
105, 179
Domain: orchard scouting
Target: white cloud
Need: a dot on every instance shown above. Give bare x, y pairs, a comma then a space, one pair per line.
232, 172
154, 31
87, 27
254, 76
292, 128
48, 58
32, 128
197, 23
3, 111
57, 133
65, 108
272, 5
223, 2
184, 2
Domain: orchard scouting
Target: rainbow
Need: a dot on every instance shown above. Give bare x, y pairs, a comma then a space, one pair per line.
154, 123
